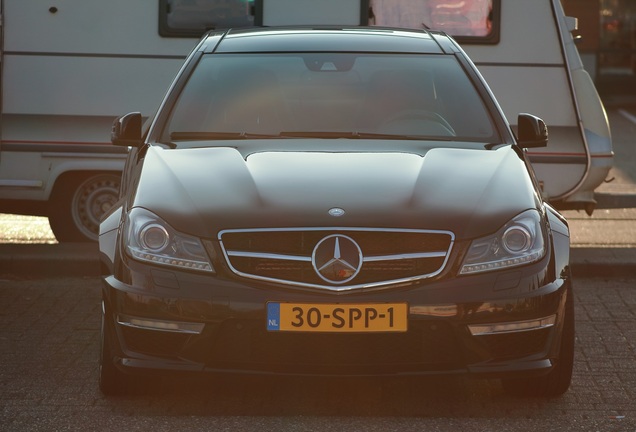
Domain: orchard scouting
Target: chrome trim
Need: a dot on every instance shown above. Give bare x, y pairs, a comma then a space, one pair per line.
335, 288
337, 228
160, 325
574, 99
243, 254
397, 257
512, 327
353, 263
336, 212
339, 288
21, 183
102, 156
374, 258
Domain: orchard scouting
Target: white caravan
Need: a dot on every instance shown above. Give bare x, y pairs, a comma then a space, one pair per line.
70, 67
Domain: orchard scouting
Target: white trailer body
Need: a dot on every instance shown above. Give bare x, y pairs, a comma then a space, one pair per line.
67, 71
70, 67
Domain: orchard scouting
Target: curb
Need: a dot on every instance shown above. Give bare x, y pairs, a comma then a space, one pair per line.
82, 260
606, 262
50, 260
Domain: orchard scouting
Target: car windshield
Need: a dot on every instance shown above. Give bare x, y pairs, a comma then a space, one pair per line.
331, 96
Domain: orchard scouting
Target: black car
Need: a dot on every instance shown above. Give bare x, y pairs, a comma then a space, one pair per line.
337, 202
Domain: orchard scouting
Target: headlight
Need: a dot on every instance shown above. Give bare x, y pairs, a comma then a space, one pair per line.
149, 238
519, 242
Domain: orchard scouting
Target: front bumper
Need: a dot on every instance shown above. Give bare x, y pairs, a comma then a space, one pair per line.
176, 321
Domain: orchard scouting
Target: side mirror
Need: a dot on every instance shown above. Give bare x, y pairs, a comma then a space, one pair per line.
127, 130
532, 131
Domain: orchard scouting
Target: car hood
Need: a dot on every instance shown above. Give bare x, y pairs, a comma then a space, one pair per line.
204, 190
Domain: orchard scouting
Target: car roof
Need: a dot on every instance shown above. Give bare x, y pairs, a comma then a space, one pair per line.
329, 39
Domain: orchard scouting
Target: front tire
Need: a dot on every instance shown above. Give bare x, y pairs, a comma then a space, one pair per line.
78, 202
557, 381
112, 382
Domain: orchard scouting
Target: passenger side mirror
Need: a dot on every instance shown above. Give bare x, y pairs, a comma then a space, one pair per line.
127, 130
532, 131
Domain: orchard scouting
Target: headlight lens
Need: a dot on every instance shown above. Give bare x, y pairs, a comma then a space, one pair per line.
519, 242
154, 237
149, 238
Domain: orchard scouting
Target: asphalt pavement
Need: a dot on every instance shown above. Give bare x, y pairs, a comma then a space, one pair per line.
49, 346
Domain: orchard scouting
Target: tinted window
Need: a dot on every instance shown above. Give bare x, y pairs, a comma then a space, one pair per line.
469, 21
426, 96
194, 17
466, 20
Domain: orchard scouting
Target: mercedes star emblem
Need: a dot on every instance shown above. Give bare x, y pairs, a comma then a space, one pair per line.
337, 259
336, 212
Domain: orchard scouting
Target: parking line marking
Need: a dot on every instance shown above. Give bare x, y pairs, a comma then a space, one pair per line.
627, 115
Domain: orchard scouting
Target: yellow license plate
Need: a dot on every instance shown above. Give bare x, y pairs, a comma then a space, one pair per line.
336, 317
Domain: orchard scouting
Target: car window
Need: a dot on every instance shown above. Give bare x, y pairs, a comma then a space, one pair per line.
329, 95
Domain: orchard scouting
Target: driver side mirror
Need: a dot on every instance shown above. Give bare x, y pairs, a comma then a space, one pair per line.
127, 130
532, 131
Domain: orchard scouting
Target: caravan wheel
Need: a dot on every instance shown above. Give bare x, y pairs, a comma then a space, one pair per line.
79, 201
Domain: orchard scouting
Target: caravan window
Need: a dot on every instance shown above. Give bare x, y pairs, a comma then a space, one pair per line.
466, 20
194, 17
469, 21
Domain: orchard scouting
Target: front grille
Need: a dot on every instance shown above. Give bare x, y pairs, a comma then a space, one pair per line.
285, 255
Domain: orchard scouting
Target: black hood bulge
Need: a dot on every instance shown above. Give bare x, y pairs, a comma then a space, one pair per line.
201, 191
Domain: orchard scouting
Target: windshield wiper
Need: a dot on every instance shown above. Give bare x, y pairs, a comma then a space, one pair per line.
360, 135
197, 136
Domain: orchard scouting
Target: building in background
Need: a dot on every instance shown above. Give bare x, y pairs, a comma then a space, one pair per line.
608, 40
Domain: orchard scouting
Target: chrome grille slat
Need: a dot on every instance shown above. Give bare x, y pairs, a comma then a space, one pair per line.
268, 256
404, 256
390, 256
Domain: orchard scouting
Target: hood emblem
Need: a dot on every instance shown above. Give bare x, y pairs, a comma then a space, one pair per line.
337, 259
336, 212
